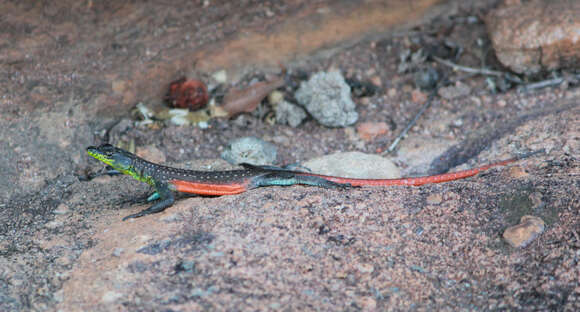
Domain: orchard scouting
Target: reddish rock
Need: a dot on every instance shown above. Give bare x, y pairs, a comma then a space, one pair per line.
418, 96
370, 130
191, 94
529, 37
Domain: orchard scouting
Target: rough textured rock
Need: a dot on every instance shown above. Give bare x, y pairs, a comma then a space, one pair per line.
288, 113
326, 96
537, 35
250, 150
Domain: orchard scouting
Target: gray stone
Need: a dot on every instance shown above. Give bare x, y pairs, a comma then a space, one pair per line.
290, 114
326, 96
250, 150
354, 165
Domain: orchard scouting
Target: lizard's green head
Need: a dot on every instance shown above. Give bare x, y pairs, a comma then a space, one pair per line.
115, 157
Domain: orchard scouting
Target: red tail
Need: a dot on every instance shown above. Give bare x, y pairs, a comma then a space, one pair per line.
421, 180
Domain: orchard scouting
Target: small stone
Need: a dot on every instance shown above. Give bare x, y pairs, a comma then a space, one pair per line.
376, 80
370, 130
203, 125
434, 199
250, 150
220, 76
118, 86
426, 79
61, 209
521, 235
366, 267
53, 224
288, 113
365, 101
275, 97
456, 91
118, 251
179, 121
418, 96
517, 172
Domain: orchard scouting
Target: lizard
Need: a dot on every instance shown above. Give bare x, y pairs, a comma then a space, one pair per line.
167, 180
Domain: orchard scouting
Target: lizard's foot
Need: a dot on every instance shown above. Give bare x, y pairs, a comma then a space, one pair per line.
158, 207
135, 215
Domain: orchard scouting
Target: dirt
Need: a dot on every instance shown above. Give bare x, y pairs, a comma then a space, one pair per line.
70, 71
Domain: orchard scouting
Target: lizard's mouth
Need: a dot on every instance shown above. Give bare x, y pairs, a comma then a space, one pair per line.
95, 153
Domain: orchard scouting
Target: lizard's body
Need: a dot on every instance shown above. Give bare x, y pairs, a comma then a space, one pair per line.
165, 179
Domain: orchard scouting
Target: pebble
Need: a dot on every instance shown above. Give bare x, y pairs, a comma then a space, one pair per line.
456, 91
376, 80
61, 209
370, 130
418, 97
118, 251
434, 199
275, 97
517, 172
426, 79
522, 234
220, 76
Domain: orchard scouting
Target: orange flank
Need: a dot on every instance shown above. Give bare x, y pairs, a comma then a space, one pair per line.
415, 181
208, 188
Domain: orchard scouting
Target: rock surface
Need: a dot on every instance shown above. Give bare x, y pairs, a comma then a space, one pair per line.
70, 70
531, 36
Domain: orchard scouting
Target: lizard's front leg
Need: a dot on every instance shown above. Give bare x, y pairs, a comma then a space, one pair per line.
167, 199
